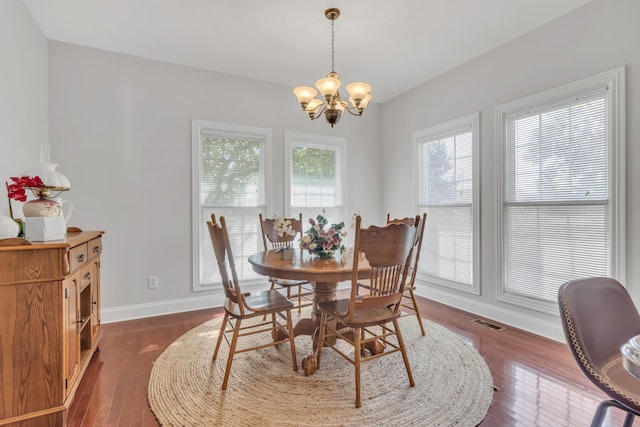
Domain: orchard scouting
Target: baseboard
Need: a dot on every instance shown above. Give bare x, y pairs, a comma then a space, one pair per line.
516, 319
527, 323
139, 311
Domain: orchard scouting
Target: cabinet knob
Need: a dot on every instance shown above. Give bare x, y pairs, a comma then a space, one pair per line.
81, 258
96, 249
87, 276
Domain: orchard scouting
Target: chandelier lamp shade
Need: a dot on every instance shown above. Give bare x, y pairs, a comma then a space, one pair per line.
333, 106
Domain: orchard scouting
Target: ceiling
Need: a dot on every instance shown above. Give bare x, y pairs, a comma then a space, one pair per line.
394, 46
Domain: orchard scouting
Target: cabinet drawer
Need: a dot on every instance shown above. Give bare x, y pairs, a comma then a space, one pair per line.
77, 256
94, 247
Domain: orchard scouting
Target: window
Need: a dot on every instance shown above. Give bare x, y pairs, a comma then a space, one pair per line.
447, 177
562, 186
230, 179
315, 174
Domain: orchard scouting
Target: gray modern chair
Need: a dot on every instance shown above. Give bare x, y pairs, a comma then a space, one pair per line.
598, 317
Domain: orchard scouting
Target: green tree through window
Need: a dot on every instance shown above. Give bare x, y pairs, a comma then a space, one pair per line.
231, 170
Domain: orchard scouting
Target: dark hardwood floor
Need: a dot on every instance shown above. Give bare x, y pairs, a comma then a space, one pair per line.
539, 383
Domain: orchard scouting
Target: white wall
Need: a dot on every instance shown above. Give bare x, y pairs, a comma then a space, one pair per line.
121, 129
23, 93
597, 37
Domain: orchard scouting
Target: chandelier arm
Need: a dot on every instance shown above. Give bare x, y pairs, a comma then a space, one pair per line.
313, 115
351, 109
357, 113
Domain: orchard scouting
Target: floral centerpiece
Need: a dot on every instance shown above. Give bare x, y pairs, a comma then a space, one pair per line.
321, 241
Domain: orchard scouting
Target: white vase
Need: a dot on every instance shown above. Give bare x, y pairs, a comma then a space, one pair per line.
8, 228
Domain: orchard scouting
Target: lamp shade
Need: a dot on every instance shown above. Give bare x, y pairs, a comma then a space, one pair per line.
50, 177
328, 86
358, 90
313, 105
305, 94
365, 101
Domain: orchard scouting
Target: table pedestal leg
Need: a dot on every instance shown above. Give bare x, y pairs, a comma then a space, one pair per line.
322, 291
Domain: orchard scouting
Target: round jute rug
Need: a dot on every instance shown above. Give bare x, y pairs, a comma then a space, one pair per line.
453, 384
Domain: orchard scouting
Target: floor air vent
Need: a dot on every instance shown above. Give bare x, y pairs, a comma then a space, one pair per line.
489, 324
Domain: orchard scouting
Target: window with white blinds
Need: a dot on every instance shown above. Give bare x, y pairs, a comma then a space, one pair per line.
230, 180
315, 176
447, 192
557, 207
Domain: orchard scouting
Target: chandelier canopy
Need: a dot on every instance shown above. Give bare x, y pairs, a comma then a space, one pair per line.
333, 105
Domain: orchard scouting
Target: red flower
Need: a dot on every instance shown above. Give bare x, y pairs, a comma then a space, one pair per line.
17, 189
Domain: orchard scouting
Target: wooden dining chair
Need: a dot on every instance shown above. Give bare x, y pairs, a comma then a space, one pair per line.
363, 320
409, 302
408, 297
240, 306
272, 240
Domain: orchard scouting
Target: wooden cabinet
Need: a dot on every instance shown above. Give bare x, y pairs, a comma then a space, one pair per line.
49, 325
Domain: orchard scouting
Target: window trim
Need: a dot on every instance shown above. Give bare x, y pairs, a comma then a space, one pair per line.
473, 121
196, 173
615, 81
290, 138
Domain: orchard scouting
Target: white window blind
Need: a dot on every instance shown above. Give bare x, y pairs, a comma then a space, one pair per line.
315, 178
231, 182
556, 202
446, 193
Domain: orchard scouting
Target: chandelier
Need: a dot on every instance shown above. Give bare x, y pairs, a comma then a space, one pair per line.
333, 106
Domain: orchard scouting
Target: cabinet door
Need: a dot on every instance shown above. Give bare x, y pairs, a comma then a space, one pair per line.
95, 299
71, 338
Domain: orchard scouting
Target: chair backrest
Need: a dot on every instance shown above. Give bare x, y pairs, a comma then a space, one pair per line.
388, 251
226, 265
270, 236
411, 221
598, 317
419, 223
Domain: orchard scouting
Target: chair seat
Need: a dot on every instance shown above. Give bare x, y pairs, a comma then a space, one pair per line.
616, 377
263, 302
287, 282
362, 318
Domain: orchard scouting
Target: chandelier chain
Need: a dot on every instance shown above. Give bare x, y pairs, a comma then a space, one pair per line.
333, 49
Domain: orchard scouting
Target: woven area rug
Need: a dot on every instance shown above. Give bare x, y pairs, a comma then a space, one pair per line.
453, 384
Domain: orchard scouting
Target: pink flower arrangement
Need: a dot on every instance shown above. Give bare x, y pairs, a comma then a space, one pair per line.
16, 191
323, 242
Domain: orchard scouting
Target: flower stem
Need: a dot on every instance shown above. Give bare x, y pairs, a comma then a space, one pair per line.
9, 200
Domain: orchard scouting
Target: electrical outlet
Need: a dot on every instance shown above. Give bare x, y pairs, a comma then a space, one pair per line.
152, 282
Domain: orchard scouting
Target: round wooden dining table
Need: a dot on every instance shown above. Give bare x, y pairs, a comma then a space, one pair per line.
323, 274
